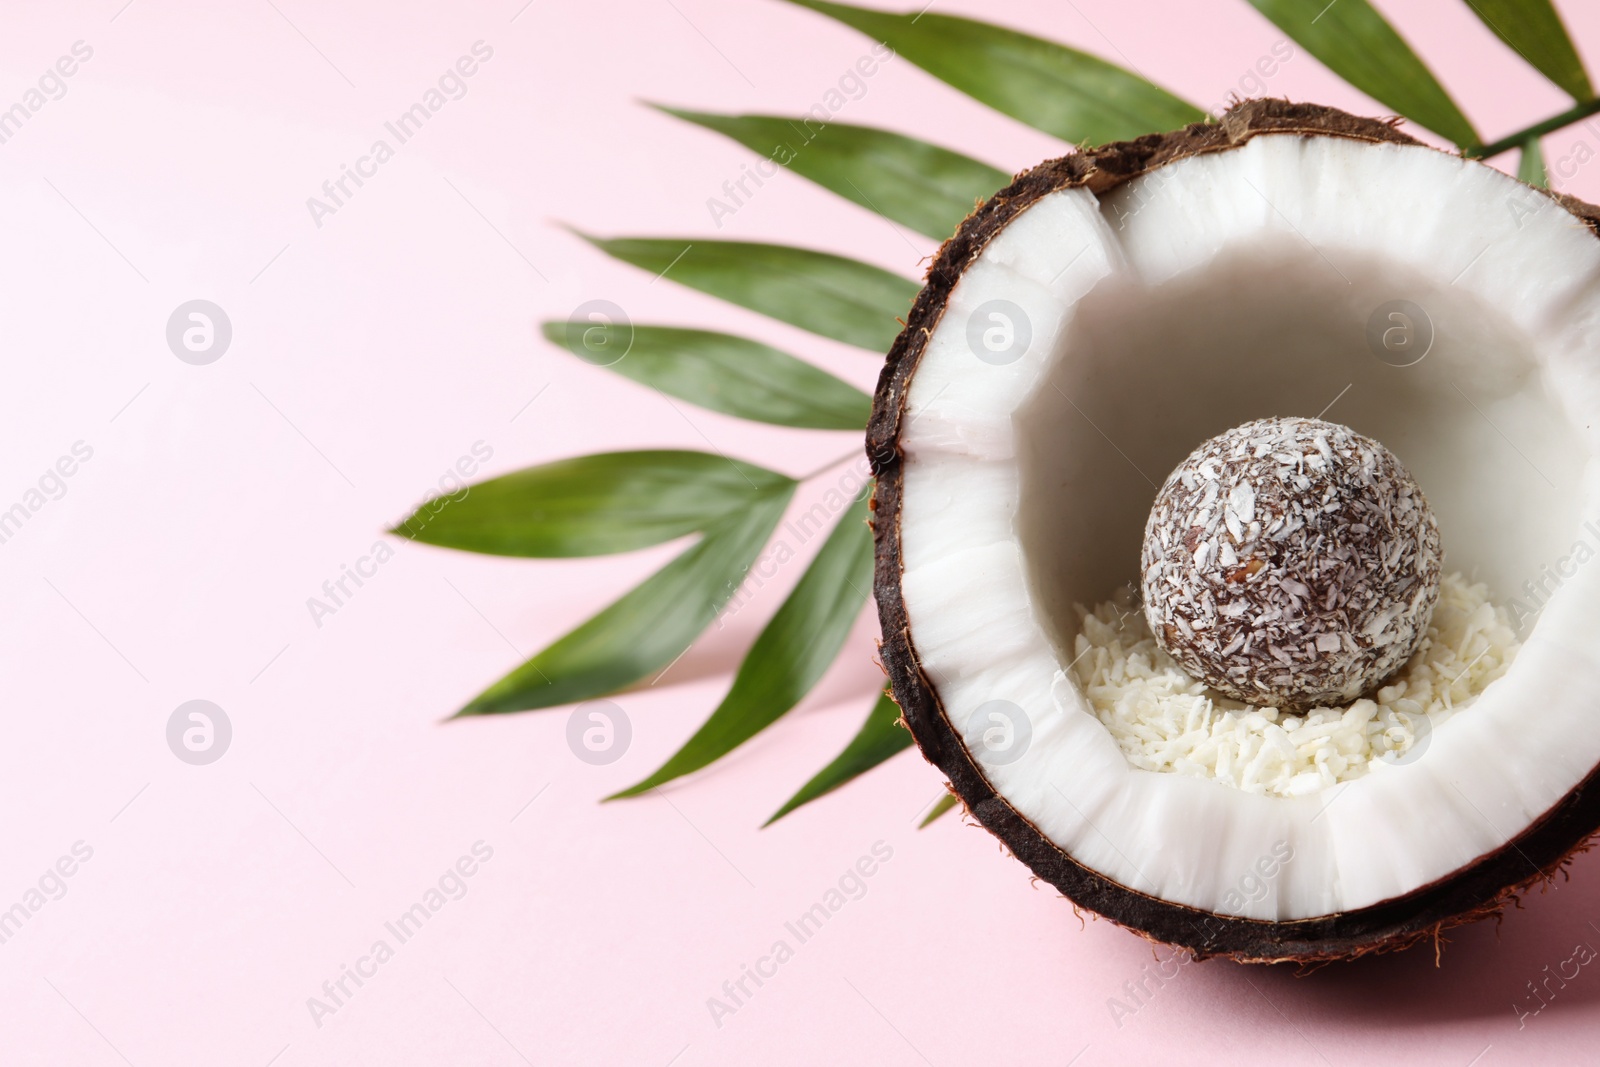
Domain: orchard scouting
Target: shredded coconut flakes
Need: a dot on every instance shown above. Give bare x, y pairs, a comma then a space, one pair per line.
1164, 720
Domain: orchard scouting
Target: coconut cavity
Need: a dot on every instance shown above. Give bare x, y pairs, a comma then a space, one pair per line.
1059, 364
1157, 359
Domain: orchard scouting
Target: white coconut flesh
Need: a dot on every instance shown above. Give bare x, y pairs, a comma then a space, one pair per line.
1215, 290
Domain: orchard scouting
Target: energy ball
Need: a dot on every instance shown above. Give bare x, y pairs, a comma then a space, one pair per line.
1290, 563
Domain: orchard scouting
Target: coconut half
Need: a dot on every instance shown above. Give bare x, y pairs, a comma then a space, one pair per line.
1095, 321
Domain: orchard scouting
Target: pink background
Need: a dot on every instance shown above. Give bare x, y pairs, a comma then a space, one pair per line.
368, 355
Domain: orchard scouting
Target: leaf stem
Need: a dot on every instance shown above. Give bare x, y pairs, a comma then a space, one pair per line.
1537, 130
826, 467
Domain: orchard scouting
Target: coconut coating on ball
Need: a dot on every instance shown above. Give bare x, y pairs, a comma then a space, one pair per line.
1291, 563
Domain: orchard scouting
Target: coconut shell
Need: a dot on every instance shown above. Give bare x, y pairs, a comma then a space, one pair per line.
1481, 888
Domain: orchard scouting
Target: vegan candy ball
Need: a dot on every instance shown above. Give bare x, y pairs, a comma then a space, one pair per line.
1290, 563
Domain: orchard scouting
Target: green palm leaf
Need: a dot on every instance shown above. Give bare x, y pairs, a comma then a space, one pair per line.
1071, 94
595, 505
649, 627
1356, 43
919, 185
940, 806
792, 653
1531, 167
721, 372
1533, 29
841, 298
880, 737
